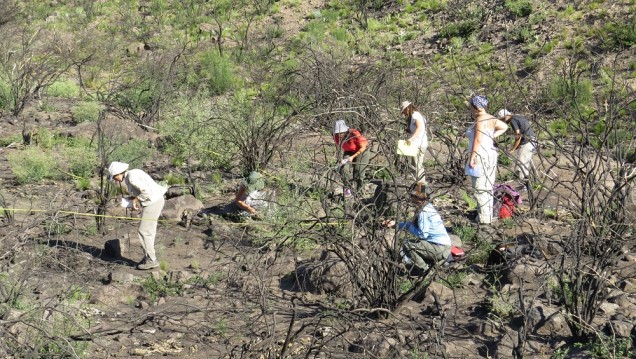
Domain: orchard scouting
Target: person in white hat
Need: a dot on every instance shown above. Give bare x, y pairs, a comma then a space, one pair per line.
416, 128
354, 154
525, 142
147, 195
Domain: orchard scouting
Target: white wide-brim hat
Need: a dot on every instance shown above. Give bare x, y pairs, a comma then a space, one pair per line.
340, 127
503, 113
116, 168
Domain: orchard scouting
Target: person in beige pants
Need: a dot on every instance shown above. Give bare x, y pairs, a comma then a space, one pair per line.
147, 195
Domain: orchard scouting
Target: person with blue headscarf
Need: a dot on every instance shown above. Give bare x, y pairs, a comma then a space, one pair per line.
482, 158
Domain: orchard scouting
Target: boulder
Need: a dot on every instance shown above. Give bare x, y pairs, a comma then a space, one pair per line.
326, 275
528, 270
546, 320
176, 207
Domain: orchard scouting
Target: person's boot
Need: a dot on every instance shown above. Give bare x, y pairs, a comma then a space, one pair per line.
148, 264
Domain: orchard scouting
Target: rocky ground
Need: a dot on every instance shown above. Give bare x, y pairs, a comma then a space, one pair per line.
217, 294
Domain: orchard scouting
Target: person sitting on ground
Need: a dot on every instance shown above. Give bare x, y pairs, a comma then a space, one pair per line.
147, 195
430, 242
354, 154
249, 195
525, 142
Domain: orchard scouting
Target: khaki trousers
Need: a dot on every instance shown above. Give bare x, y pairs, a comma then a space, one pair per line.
483, 185
148, 227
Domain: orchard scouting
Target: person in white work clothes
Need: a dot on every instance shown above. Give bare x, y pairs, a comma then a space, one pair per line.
147, 195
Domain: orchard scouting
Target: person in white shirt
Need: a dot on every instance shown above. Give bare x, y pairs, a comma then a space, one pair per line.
482, 156
147, 195
416, 127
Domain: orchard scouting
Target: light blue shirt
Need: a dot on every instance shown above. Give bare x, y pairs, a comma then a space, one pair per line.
430, 226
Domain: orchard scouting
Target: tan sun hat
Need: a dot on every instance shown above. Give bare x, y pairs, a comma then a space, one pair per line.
404, 106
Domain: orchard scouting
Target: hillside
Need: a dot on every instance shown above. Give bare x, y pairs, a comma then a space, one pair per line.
199, 94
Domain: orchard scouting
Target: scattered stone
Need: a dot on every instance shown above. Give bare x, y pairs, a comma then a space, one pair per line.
608, 308
120, 276
546, 320
161, 301
179, 276
142, 305
175, 208
378, 345
620, 328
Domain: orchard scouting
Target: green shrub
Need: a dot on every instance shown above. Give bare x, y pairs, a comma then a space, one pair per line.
432, 5
467, 233
87, 111
157, 288
606, 347
63, 88
570, 94
32, 165
519, 8
470, 200
463, 28
5, 94
6, 141
619, 34
217, 72
521, 34
133, 152
80, 162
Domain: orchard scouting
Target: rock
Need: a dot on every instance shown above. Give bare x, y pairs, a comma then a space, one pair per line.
628, 285
175, 208
608, 308
12, 314
546, 320
179, 276
116, 247
462, 348
528, 270
176, 191
620, 328
142, 304
326, 275
443, 294
120, 277
378, 345
116, 293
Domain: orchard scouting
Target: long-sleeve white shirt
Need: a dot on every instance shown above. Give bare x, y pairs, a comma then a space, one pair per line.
142, 186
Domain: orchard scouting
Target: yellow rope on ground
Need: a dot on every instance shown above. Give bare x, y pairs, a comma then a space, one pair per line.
4, 209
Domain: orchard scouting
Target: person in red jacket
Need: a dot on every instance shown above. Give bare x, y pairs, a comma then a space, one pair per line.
355, 155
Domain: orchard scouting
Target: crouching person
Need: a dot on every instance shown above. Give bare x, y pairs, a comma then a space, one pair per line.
429, 243
249, 199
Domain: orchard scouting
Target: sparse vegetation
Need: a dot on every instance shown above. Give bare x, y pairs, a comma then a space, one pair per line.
203, 92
